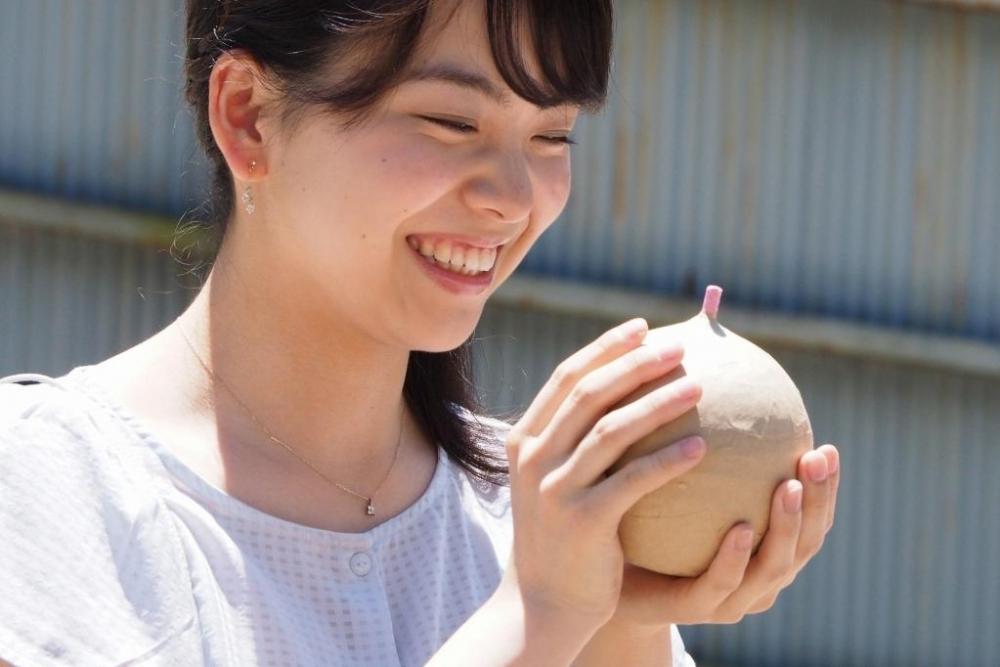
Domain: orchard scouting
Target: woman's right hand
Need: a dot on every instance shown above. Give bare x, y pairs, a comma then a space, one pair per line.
566, 557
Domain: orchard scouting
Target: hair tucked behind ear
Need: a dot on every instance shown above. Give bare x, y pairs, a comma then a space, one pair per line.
297, 45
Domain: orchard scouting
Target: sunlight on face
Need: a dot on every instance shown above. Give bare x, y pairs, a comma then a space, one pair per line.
345, 202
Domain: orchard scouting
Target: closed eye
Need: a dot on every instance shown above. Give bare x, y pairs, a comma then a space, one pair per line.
465, 128
457, 126
559, 139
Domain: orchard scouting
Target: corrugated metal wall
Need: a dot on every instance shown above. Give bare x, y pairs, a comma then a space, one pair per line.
837, 158
68, 299
91, 103
833, 158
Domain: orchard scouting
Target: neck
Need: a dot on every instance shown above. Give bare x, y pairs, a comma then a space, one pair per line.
331, 394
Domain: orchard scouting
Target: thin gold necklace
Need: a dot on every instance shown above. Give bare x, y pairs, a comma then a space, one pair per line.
370, 508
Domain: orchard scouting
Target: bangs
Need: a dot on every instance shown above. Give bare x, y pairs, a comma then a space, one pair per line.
572, 42
376, 40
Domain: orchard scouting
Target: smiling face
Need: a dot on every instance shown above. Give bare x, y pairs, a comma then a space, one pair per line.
344, 213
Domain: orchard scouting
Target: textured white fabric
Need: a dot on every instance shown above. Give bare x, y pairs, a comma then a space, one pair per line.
114, 552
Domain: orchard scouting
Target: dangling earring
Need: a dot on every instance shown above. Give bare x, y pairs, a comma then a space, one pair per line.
247, 196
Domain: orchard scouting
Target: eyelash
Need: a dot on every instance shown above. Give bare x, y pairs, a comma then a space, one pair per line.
463, 127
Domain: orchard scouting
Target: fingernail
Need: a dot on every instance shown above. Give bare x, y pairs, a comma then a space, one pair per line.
793, 499
693, 447
835, 464
669, 351
744, 540
634, 328
687, 388
817, 468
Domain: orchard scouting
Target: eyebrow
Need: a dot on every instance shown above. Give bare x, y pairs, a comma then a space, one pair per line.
461, 77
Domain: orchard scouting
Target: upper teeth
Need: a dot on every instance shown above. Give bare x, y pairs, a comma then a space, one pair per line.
456, 255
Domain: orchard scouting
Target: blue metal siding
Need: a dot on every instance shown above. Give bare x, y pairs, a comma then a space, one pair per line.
92, 103
67, 299
833, 158
836, 159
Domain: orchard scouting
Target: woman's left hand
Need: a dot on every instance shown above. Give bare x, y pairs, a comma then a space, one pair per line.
736, 584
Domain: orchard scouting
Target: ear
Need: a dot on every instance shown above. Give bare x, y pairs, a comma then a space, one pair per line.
236, 98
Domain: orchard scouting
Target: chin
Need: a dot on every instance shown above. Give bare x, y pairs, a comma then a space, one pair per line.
443, 344
443, 339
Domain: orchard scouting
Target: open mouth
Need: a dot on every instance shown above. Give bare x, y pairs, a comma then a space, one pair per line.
461, 274
457, 258
461, 270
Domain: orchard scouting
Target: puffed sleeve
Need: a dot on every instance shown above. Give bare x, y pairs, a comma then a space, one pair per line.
90, 572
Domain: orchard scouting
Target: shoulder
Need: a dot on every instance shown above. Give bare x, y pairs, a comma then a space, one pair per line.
58, 468
20, 402
65, 457
51, 431
41, 420
84, 544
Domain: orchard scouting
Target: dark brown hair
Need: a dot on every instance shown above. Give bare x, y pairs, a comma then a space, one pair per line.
298, 44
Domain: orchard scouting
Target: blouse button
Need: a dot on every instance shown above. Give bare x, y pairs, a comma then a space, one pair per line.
361, 563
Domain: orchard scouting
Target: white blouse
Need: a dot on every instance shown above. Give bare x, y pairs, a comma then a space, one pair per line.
114, 552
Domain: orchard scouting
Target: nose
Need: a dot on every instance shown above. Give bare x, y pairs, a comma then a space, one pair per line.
503, 188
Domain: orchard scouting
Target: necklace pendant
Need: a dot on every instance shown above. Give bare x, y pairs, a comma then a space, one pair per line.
370, 511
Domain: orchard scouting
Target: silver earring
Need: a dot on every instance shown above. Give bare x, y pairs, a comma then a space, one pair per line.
247, 195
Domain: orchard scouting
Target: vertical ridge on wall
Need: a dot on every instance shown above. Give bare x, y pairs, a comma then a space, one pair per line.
93, 105
67, 299
837, 159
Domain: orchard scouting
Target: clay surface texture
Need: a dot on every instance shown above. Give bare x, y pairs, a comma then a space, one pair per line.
755, 424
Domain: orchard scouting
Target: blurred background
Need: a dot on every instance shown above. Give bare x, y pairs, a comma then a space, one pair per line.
833, 165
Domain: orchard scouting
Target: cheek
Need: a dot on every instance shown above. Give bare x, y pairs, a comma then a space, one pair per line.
374, 183
552, 187
410, 176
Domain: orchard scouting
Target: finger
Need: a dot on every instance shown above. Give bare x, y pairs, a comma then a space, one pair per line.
835, 484
588, 402
725, 573
764, 603
833, 464
612, 497
775, 560
815, 476
609, 345
619, 429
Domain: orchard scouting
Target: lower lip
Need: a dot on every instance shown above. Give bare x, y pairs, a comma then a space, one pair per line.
456, 283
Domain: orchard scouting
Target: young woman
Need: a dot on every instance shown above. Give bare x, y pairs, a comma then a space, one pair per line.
295, 471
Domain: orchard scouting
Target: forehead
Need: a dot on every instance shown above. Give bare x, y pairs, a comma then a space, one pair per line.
457, 29
464, 77
454, 48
